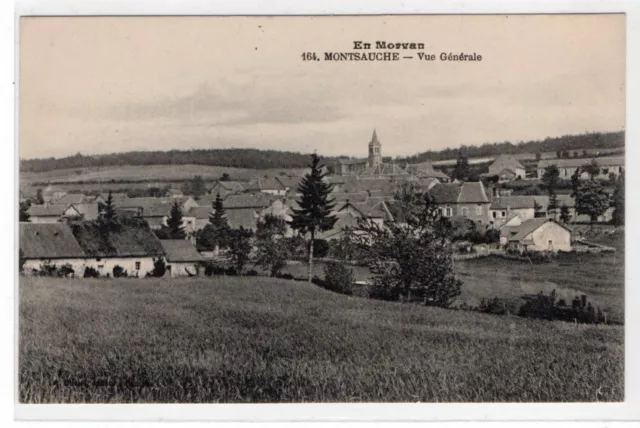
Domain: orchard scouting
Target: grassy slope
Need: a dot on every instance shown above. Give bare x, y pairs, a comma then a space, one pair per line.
266, 340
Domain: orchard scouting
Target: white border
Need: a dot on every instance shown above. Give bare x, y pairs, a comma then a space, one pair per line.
629, 410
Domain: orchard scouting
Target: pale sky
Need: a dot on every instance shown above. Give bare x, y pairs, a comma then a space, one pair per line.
103, 85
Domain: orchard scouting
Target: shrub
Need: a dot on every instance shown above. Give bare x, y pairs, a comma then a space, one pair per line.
252, 272
492, 236
539, 306
320, 248
47, 269
159, 267
338, 278
286, 276
90, 272
66, 270
494, 306
119, 272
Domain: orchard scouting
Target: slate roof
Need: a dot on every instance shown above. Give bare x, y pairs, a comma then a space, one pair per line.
529, 226
180, 250
463, 193
88, 210
505, 162
48, 241
248, 200
132, 238
73, 198
578, 162
53, 210
425, 170
269, 183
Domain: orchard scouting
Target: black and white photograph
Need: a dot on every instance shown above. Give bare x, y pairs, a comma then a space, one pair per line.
321, 209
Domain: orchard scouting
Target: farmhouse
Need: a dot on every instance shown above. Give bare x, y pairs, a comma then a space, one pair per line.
270, 185
523, 206
537, 234
225, 188
507, 168
567, 167
46, 213
467, 200
130, 245
183, 259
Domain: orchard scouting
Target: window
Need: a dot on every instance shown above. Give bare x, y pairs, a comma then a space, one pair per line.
465, 211
447, 212
550, 243
504, 213
479, 209
494, 214
100, 266
137, 265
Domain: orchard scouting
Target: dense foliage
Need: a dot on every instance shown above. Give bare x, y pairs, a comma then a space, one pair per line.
237, 158
597, 140
272, 248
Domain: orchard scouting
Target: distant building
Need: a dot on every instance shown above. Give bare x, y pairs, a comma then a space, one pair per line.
507, 168
567, 167
224, 188
468, 200
537, 234
183, 259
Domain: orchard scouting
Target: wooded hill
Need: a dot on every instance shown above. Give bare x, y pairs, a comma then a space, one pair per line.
264, 159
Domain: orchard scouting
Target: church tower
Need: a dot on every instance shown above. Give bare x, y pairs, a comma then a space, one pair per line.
375, 153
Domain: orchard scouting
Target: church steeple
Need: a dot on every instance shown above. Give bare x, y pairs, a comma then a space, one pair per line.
375, 150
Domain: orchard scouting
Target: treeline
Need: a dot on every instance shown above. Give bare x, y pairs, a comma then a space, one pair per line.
594, 140
235, 158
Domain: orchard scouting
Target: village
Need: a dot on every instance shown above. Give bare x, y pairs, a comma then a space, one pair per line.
500, 221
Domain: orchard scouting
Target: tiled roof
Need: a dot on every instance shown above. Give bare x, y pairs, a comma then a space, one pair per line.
529, 226
199, 212
247, 218
268, 183
180, 250
425, 170
503, 162
248, 200
578, 162
73, 198
472, 192
229, 186
48, 241
445, 193
88, 210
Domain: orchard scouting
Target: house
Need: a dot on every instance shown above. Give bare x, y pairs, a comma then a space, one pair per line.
268, 185
88, 211
507, 168
468, 199
524, 206
46, 213
567, 167
154, 210
102, 197
183, 259
73, 198
224, 188
375, 213
51, 193
174, 193
351, 166
131, 245
290, 184
537, 234
49, 244
425, 170
384, 170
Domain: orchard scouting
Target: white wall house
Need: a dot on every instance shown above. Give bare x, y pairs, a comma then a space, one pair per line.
540, 234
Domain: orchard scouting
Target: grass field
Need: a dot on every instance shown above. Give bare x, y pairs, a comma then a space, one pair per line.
266, 340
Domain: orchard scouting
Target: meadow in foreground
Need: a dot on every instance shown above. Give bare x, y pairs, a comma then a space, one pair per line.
234, 339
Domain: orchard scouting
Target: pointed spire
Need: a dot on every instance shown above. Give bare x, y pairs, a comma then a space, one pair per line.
374, 137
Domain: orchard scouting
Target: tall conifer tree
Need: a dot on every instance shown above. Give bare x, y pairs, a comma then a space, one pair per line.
174, 222
314, 212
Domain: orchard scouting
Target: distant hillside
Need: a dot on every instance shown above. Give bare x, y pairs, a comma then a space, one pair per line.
235, 158
597, 140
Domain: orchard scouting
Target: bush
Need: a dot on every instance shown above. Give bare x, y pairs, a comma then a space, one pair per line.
47, 269
252, 272
159, 268
119, 272
494, 306
338, 278
320, 248
66, 270
285, 276
492, 236
90, 272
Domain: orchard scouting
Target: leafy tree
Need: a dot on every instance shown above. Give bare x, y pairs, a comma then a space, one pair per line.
593, 169
239, 247
195, 187
538, 156
565, 215
39, 198
550, 179
174, 222
585, 153
558, 154
412, 260
314, 214
591, 199
618, 201
23, 212
461, 170
272, 249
